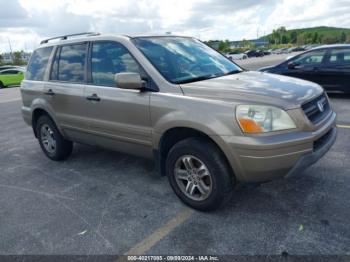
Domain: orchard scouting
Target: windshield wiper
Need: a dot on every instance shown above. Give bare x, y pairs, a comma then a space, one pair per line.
195, 79
206, 77
232, 72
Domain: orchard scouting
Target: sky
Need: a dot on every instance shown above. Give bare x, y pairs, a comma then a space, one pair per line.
24, 23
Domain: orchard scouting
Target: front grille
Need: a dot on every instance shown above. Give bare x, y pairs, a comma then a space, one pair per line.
313, 108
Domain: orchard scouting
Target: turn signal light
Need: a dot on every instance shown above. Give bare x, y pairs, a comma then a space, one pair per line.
249, 126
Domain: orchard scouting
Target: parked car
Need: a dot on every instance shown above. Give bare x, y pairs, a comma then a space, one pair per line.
236, 56
207, 123
329, 66
7, 67
277, 51
254, 53
10, 77
298, 49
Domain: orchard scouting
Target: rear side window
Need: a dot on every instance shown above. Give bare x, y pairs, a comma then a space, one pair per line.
38, 63
9, 72
109, 58
340, 56
69, 63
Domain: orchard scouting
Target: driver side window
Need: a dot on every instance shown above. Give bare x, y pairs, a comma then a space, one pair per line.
109, 58
310, 58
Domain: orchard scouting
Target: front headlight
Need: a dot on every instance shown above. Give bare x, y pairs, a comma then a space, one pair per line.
261, 119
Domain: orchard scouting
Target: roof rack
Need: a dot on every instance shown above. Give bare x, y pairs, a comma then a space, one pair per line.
65, 37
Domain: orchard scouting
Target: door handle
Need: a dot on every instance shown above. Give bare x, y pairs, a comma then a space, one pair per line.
49, 92
93, 97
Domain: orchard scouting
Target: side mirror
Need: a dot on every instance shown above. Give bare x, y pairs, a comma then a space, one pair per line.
128, 80
292, 65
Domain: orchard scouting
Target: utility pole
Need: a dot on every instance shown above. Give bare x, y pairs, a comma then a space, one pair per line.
10, 49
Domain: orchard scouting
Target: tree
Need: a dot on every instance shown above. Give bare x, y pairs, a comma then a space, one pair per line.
282, 33
320, 38
330, 39
17, 58
246, 43
342, 37
1, 58
348, 39
301, 39
224, 46
293, 37
275, 36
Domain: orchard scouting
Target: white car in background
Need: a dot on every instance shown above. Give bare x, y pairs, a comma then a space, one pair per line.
236, 56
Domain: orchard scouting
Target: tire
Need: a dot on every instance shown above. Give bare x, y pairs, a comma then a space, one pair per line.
51, 141
219, 183
1, 85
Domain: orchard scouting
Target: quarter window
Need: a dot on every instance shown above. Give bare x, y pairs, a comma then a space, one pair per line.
38, 63
109, 58
69, 63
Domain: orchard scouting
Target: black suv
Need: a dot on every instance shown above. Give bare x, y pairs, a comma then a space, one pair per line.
328, 66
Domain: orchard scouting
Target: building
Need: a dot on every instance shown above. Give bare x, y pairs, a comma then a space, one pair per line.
260, 42
6, 58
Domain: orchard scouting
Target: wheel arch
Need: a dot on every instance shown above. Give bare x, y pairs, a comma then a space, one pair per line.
36, 114
176, 134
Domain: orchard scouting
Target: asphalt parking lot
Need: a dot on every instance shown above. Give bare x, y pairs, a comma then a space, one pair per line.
103, 202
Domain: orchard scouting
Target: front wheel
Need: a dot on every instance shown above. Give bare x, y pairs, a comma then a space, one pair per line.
199, 174
51, 141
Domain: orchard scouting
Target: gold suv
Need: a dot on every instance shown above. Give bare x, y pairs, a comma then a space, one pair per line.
208, 123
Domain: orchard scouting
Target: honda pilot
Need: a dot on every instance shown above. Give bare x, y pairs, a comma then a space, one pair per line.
207, 123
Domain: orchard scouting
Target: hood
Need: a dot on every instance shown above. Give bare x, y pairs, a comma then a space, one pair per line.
255, 87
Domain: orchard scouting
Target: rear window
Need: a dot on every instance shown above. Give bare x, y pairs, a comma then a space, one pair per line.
69, 63
38, 63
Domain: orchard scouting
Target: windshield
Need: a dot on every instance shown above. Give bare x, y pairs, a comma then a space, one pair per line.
184, 60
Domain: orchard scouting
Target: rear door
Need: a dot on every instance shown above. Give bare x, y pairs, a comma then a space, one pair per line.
119, 118
65, 89
337, 70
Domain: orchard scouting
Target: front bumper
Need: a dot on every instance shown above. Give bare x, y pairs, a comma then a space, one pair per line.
325, 143
264, 158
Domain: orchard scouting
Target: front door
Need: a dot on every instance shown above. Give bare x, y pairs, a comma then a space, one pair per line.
119, 118
308, 66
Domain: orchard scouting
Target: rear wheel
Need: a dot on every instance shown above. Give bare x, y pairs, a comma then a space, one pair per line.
199, 174
51, 141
